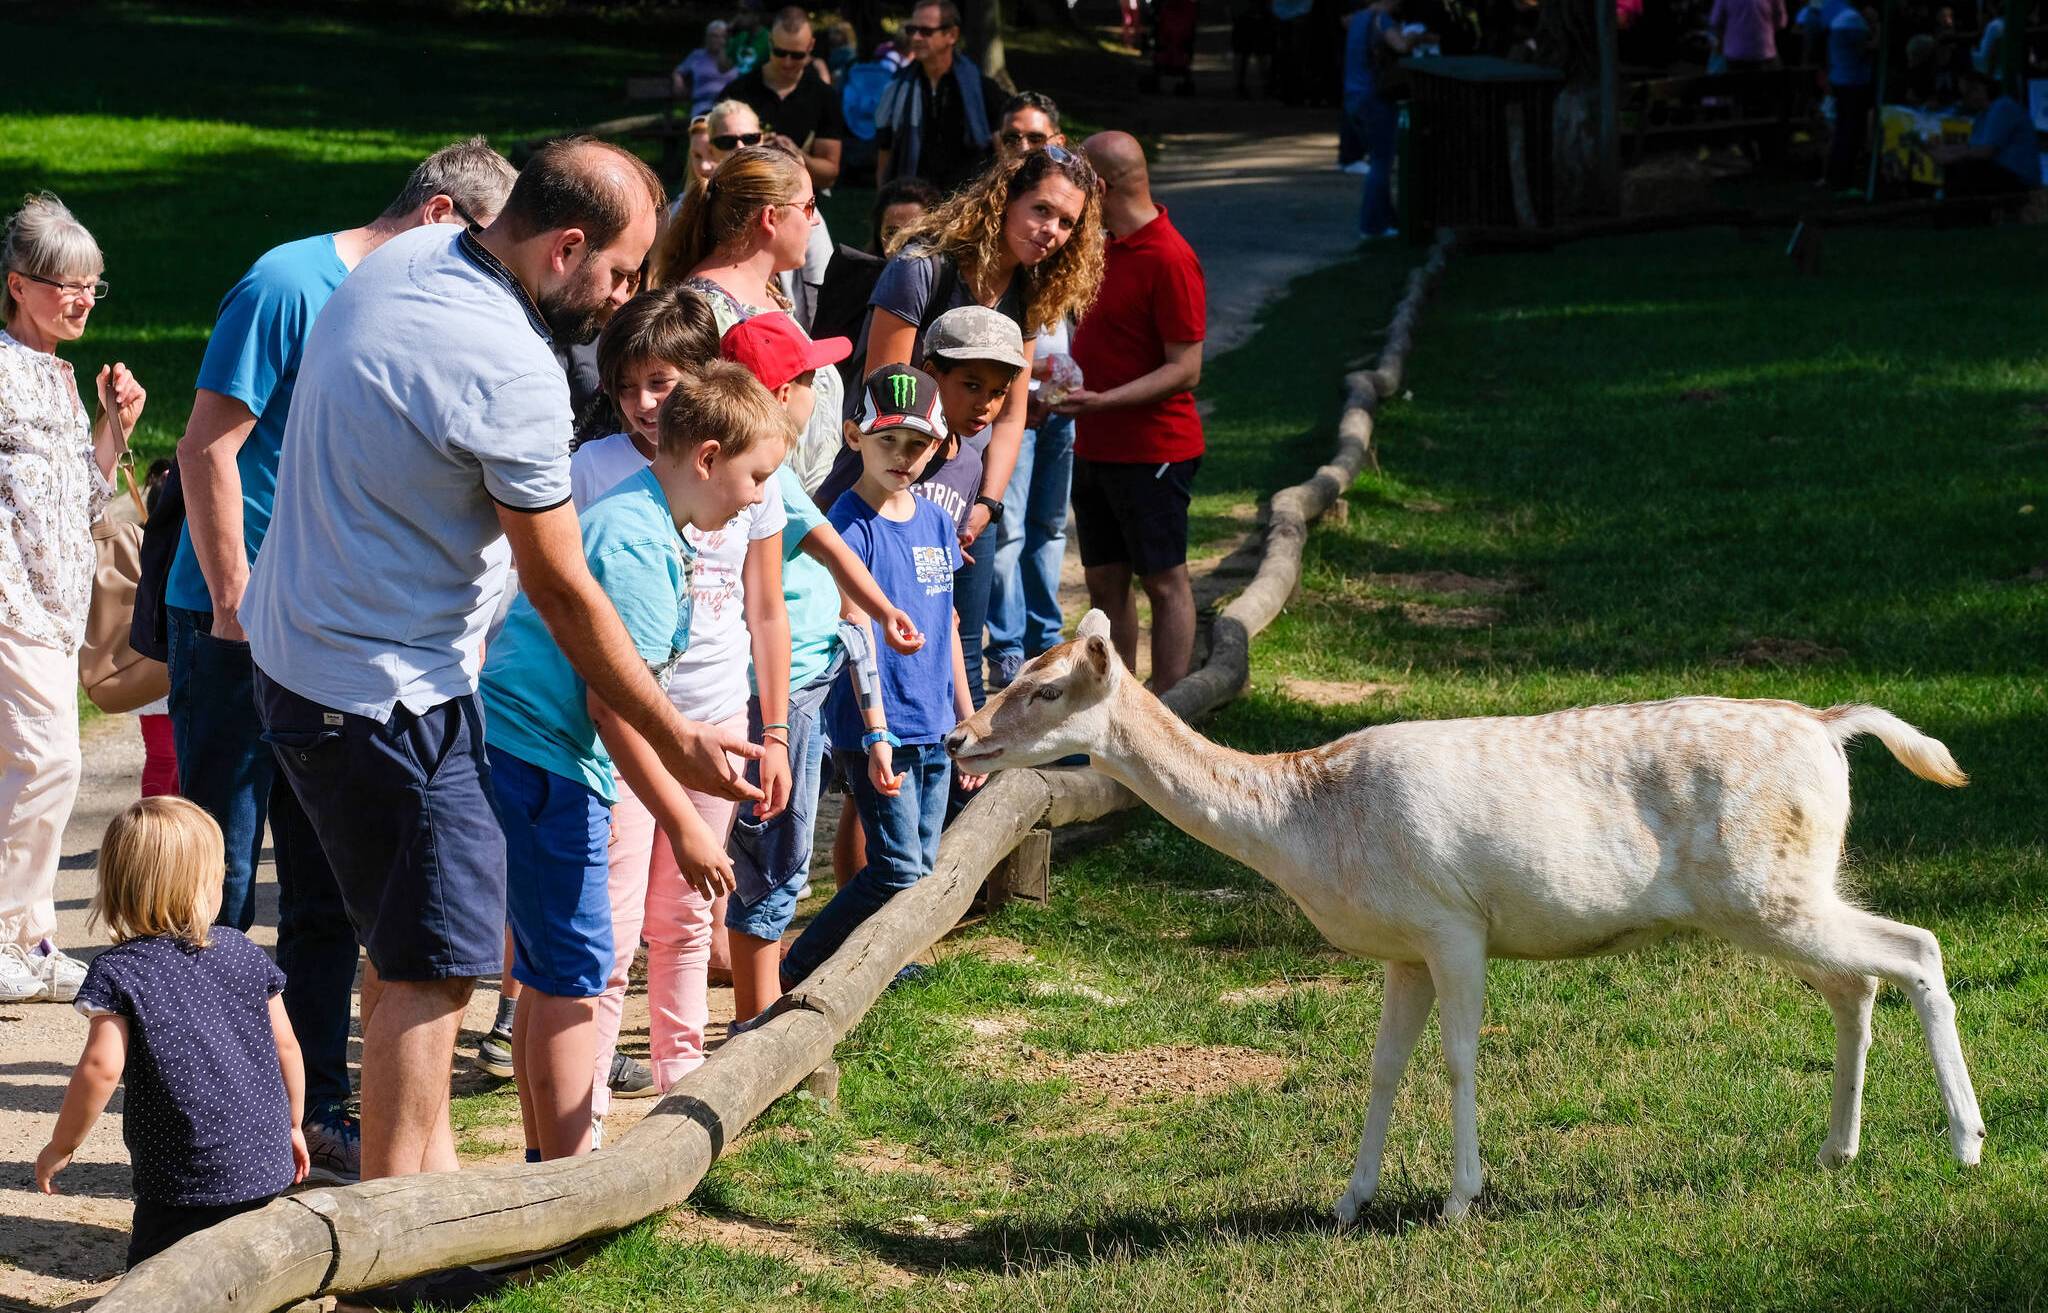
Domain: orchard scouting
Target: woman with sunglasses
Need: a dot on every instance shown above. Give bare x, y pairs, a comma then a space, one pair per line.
1024, 238
56, 473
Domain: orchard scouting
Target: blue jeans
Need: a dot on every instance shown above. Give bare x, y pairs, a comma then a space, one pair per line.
1024, 603
970, 599
227, 769
903, 845
1378, 124
771, 858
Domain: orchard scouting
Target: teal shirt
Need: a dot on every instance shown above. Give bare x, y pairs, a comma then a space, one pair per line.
808, 593
534, 702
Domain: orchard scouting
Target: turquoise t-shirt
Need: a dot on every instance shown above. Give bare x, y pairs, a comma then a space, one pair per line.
534, 701
808, 593
253, 356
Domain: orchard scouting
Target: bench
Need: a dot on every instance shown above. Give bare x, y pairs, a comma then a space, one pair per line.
670, 124
1715, 109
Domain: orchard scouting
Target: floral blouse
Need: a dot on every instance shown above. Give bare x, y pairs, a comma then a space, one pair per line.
51, 490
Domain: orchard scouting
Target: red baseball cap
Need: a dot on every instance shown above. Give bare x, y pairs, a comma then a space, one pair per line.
777, 350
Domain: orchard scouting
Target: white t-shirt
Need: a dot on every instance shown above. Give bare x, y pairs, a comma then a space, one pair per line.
710, 681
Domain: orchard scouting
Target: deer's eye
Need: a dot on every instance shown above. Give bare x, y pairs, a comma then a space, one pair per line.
1049, 693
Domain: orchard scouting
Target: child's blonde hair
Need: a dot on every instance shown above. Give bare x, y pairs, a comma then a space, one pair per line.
722, 402
161, 866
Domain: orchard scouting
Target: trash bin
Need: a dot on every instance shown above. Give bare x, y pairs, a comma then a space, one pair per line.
1479, 149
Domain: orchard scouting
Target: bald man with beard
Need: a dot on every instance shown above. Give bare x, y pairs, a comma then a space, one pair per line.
1137, 435
428, 449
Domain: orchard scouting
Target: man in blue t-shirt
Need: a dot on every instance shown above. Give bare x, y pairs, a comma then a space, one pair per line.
228, 465
2004, 154
1851, 80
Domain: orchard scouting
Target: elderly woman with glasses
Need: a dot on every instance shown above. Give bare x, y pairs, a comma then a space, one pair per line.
56, 472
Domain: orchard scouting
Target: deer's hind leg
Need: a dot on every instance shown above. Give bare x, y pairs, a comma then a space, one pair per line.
1849, 997
1403, 1012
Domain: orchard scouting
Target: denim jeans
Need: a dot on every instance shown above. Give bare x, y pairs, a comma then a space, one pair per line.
903, 844
1378, 124
226, 768
1024, 602
770, 859
970, 599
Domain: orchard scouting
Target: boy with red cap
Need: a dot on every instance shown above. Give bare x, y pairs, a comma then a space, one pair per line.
771, 852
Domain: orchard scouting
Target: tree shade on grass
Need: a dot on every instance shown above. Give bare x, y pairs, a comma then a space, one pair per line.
1651, 468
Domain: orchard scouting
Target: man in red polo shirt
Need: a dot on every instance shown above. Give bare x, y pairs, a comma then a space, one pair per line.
1137, 435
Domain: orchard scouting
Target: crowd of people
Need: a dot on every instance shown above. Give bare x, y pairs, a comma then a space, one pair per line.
517, 680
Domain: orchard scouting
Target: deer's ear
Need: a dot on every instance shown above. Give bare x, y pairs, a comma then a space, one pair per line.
1093, 625
1097, 653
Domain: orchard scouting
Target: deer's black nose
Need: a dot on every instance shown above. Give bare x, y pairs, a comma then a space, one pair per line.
955, 739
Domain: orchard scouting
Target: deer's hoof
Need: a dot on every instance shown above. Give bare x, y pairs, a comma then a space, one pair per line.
1834, 1157
1349, 1207
1457, 1208
1968, 1143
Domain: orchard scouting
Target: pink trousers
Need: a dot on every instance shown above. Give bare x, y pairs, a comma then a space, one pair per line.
651, 900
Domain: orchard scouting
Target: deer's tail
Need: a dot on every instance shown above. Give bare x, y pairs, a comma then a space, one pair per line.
1924, 756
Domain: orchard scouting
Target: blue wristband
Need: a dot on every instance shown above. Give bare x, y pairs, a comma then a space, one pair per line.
874, 736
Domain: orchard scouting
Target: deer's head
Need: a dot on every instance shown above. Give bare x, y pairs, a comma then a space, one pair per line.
1058, 705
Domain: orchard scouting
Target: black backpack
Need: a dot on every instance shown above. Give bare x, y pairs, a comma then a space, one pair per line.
148, 630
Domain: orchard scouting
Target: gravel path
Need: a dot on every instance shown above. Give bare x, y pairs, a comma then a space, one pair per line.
1261, 209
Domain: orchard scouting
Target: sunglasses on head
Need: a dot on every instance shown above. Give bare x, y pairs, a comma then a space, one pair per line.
920, 29
735, 140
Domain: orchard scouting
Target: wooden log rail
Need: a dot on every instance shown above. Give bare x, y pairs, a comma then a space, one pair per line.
363, 1236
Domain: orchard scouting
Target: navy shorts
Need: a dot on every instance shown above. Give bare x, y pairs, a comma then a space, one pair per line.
1135, 515
403, 812
557, 873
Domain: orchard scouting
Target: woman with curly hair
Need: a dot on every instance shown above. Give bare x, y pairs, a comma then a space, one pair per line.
1024, 238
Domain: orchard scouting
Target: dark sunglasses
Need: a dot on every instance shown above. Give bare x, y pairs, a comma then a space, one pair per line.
467, 218
780, 53
919, 29
735, 140
1034, 140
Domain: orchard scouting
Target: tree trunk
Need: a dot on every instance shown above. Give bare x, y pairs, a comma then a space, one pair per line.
1568, 38
983, 38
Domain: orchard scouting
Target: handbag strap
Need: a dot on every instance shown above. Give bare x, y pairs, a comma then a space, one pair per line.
124, 471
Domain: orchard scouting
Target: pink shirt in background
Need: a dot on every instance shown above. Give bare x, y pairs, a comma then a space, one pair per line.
1748, 28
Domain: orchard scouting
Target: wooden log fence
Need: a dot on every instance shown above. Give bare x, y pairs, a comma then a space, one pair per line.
379, 1232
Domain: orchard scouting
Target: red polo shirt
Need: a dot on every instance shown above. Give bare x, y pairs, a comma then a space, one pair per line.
1152, 293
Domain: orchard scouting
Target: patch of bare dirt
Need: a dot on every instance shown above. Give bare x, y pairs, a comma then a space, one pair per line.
1337, 692
1169, 1071
995, 1027
1425, 506
1451, 617
1452, 581
998, 949
879, 1156
1278, 989
1075, 989
774, 1240
1780, 653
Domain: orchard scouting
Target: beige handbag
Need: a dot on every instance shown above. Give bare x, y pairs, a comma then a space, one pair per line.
114, 675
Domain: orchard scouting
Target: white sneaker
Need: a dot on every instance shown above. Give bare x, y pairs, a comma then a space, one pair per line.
20, 982
61, 972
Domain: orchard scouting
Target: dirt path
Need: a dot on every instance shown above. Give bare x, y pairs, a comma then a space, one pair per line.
1260, 208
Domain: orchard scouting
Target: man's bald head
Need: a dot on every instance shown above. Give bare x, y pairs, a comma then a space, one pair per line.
584, 183
1117, 157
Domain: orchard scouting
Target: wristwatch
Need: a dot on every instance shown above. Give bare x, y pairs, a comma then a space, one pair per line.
874, 736
995, 508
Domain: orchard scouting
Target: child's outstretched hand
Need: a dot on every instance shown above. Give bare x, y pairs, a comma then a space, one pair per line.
969, 783
302, 1160
48, 1163
901, 632
879, 762
702, 860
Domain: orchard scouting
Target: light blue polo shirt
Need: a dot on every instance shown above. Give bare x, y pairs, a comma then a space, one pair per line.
428, 396
259, 338
2005, 127
535, 704
808, 592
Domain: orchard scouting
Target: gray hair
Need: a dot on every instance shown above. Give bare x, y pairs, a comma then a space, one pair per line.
46, 241
469, 173
718, 25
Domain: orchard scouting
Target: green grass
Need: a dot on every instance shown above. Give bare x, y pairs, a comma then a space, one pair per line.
1675, 450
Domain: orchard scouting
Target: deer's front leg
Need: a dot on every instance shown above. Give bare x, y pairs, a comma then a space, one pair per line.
1405, 1008
1459, 971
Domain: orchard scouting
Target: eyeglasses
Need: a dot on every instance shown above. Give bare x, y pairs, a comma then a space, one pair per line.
1015, 139
919, 29
735, 140
96, 289
809, 207
780, 53
470, 220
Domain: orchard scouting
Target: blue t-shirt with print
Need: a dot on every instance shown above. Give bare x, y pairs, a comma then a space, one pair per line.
534, 701
253, 356
913, 562
206, 1120
808, 592
2005, 127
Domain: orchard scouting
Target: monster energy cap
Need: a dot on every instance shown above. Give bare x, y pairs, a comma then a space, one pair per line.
975, 332
899, 397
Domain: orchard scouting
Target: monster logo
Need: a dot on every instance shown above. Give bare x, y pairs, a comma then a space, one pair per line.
903, 390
